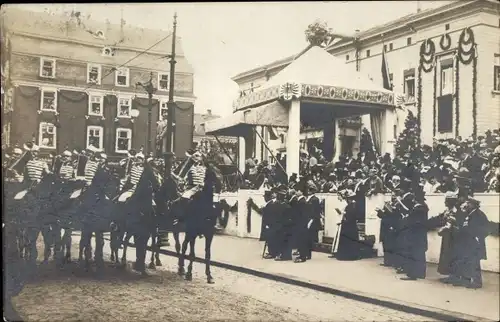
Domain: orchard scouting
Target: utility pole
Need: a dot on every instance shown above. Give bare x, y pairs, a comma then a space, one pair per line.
150, 89
171, 106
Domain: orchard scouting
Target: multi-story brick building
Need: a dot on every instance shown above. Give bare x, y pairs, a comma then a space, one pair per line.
454, 95
72, 82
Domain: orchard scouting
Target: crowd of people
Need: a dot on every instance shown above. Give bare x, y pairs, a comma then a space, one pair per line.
442, 167
456, 167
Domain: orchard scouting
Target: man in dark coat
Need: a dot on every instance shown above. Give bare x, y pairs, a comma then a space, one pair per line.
388, 232
310, 223
471, 242
348, 245
446, 221
416, 238
270, 216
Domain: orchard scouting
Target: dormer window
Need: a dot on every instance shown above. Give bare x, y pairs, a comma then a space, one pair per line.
99, 34
108, 52
47, 67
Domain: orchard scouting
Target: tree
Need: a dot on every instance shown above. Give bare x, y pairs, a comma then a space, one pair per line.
408, 142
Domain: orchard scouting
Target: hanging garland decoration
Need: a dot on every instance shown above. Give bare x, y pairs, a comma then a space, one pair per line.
23, 94
427, 52
138, 102
434, 107
224, 209
426, 64
71, 99
251, 206
467, 54
445, 41
457, 95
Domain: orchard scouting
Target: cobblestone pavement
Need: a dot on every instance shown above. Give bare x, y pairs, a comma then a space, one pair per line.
310, 304
365, 277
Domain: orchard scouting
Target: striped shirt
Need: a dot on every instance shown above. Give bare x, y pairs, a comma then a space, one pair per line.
90, 170
36, 169
66, 171
135, 174
198, 173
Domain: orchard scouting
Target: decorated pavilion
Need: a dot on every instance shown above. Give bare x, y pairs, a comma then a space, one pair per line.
317, 89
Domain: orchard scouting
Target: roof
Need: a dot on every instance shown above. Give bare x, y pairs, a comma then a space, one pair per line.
199, 123
73, 28
318, 67
405, 20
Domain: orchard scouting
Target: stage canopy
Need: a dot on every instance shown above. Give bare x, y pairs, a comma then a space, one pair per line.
316, 77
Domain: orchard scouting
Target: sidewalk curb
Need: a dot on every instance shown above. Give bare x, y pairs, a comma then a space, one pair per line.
391, 303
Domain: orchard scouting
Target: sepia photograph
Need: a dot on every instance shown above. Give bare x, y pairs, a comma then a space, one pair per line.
251, 161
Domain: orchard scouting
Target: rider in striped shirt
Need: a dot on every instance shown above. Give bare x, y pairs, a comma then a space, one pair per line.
91, 168
66, 170
36, 168
197, 173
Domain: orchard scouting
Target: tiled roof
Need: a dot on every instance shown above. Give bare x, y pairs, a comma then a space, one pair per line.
66, 27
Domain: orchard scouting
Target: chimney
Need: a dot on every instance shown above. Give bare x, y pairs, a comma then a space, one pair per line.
209, 112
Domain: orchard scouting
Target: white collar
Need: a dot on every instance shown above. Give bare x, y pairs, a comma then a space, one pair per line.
309, 197
293, 197
300, 197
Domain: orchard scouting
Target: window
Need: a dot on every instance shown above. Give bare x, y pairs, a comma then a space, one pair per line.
346, 57
390, 46
409, 85
447, 26
163, 109
47, 135
496, 73
408, 41
123, 140
95, 137
95, 105
47, 67
124, 107
49, 100
94, 74
122, 76
163, 82
445, 114
385, 47
368, 53
447, 77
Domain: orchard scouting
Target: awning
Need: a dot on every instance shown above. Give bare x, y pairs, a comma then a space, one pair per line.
271, 114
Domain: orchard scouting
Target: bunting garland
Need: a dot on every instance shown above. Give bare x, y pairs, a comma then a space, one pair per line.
445, 41
223, 210
426, 64
457, 96
467, 54
434, 107
251, 206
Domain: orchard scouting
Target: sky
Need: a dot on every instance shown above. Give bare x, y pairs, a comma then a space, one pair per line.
221, 39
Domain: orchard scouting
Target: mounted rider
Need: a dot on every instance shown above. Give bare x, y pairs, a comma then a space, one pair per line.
137, 198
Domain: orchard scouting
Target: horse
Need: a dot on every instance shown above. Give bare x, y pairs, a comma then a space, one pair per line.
138, 218
200, 220
96, 210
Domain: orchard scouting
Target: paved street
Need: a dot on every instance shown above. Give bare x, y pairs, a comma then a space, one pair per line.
364, 278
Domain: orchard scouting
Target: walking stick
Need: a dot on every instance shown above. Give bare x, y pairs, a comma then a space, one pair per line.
336, 240
264, 250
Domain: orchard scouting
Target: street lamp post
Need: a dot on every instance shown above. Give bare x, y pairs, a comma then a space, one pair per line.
171, 106
150, 89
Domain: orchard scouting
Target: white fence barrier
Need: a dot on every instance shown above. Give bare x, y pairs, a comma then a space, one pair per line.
237, 224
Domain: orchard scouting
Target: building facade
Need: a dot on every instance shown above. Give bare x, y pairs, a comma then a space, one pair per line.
73, 83
444, 61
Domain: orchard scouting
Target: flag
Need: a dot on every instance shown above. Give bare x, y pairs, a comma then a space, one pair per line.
386, 79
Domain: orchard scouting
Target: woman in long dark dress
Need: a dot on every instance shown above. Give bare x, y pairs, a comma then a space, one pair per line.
348, 248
